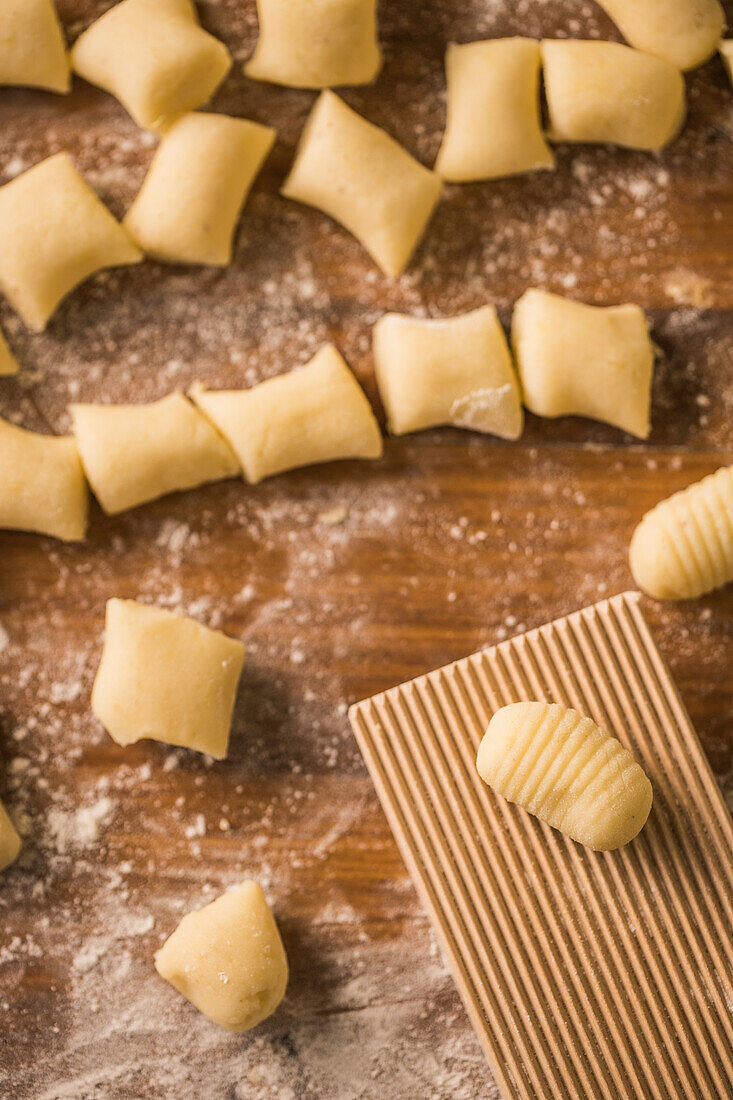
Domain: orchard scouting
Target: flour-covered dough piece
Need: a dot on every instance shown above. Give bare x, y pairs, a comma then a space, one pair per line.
454, 371
8, 363
167, 678
189, 204
353, 171
494, 125
683, 548
608, 93
135, 453
9, 840
42, 486
580, 360
567, 771
726, 52
684, 32
54, 234
316, 43
32, 48
316, 413
228, 959
154, 57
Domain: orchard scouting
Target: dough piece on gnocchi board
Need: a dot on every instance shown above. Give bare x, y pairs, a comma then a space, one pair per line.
32, 48
316, 413
683, 32
135, 453
8, 363
455, 371
166, 677
316, 43
360, 176
561, 954
10, 842
42, 485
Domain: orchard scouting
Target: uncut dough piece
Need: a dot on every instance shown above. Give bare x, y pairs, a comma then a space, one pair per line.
683, 548
228, 959
316, 413
54, 234
684, 32
316, 43
166, 678
360, 176
608, 93
580, 360
494, 126
32, 48
454, 371
8, 363
42, 486
135, 453
188, 206
154, 57
567, 771
726, 52
9, 840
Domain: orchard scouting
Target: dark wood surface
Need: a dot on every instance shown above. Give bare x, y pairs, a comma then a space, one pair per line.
341, 580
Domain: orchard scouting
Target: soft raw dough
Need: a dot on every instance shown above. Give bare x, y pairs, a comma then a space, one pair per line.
683, 548
567, 771
42, 486
454, 371
165, 677
494, 125
684, 32
353, 171
189, 204
316, 43
32, 48
580, 360
228, 959
54, 234
726, 52
154, 57
316, 413
135, 453
9, 840
608, 93
8, 363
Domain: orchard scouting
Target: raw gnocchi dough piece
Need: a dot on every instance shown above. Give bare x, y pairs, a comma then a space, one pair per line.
683, 547
316, 43
608, 93
8, 363
154, 57
228, 959
42, 486
317, 413
190, 202
54, 234
9, 840
167, 678
726, 52
32, 48
454, 371
567, 771
135, 453
353, 171
494, 126
580, 360
684, 32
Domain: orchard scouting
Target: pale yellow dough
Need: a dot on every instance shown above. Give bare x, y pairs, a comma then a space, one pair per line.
316, 43
135, 453
358, 174
42, 486
726, 52
684, 32
32, 48
8, 363
608, 93
188, 207
683, 548
455, 371
228, 959
494, 126
154, 57
580, 360
167, 678
316, 413
567, 771
9, 840
54, 234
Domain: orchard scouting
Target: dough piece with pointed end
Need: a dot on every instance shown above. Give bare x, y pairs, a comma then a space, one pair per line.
9, 840
42, 486
8, 363
32, 48
684, 32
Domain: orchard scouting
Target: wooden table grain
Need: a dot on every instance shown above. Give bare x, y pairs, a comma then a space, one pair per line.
341, 580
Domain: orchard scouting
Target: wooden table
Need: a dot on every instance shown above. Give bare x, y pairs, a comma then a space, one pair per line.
341, 580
